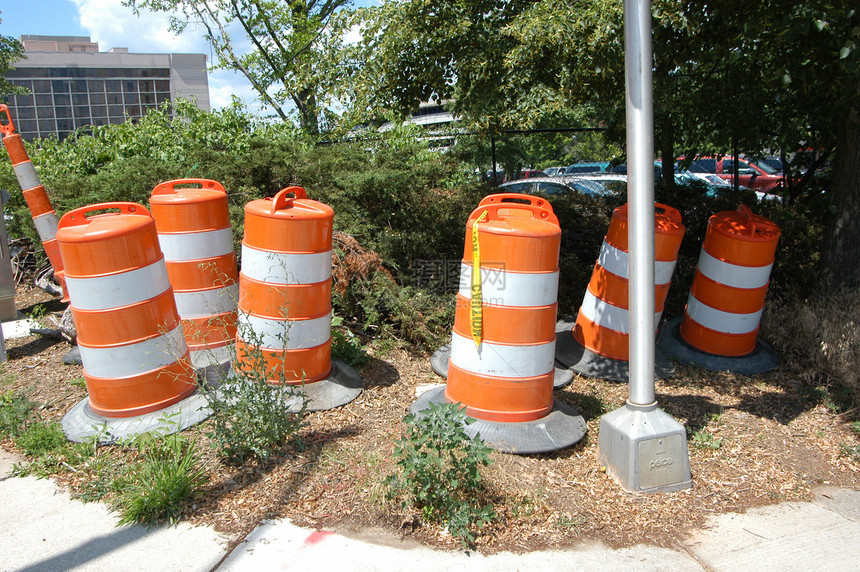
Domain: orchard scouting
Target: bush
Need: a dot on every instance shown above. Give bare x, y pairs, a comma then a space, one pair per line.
251, 417
439, 470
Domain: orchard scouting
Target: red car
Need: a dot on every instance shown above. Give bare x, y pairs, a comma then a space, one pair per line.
749, 175
530, 173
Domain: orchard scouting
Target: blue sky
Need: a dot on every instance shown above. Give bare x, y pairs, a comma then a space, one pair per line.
112, 25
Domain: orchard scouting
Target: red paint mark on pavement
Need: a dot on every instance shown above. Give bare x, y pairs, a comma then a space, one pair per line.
316, 536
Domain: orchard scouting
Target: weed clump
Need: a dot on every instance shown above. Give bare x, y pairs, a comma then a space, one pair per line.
14, 411
439, 471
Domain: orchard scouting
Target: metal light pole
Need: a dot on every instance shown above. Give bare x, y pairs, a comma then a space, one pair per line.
639, 443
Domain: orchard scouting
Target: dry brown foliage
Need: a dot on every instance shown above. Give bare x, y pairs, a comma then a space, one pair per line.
818, 338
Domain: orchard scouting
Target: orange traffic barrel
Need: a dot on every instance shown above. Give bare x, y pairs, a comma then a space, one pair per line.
193, 223
726, 299
44, 217
132, 348
721, 320
502, 359
284, 324
602, 323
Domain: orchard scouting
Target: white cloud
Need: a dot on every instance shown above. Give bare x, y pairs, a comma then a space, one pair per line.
224, 84
113, 25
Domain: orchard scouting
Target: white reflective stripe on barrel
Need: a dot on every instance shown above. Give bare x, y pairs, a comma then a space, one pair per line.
500, 360
26, 175
196, 245
285, 267
134, 359
733, 275
284, 334
117, 290
615, 261
609, 316
205, 303
46, 225
521, 289
719, 321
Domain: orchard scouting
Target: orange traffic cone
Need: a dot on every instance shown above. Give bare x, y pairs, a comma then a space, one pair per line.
196, 237
44, 218
501, 365
598, 345
721, 320
133, 351
285, 299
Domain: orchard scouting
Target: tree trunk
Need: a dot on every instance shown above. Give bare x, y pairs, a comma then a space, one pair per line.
667, 154
305, 101
840, 270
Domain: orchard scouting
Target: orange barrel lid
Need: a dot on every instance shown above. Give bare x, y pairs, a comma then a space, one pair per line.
667, 223
108, 242
516, 236
741, 237
288, 224
179, 208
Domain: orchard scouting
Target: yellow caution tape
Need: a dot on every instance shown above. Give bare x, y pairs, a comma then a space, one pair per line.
476, 305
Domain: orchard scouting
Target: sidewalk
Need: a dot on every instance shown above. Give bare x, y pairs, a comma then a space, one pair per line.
44, 530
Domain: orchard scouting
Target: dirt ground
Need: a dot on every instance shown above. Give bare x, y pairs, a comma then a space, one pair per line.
757, 440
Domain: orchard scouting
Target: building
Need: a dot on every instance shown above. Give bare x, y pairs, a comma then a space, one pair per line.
73, 85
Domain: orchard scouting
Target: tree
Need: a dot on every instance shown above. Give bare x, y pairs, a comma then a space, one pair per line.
423, 50
11, 51
292, 44
774, 75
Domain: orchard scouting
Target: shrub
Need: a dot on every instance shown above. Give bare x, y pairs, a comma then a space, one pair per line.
251, 417
439, 470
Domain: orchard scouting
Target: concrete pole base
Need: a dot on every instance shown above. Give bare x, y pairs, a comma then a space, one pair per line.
561, 428
761, 360
645, 449
439, 363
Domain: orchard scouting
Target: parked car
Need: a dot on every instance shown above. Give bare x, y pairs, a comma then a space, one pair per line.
554, 171
621, 169
717, 185
494, 177
531, 173
586, 167
749, 175
770, 164
554, 186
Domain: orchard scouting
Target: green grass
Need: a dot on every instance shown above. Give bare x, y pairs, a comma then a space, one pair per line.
159, 485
